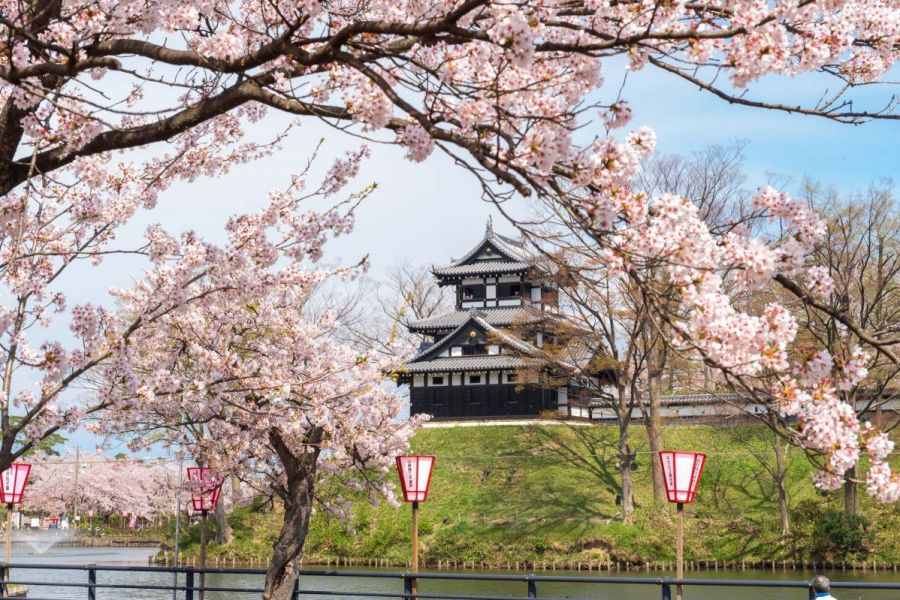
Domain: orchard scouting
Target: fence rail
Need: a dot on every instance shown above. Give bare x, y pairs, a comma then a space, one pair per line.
187, 586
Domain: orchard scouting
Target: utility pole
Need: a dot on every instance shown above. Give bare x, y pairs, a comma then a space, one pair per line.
177, 527
77, 472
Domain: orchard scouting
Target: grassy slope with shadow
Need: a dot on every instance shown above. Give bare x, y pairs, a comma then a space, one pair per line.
547, 493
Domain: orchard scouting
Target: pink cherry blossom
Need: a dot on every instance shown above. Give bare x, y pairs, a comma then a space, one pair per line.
418, 140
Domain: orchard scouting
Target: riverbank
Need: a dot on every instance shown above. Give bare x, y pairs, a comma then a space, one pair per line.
609, 567
545, 495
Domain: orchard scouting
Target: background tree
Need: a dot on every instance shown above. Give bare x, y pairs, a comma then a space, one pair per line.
713, 180
618, 322
407, 293
146, 489
410, 293
861, 253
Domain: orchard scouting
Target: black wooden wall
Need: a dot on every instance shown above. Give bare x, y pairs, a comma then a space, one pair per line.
474, 401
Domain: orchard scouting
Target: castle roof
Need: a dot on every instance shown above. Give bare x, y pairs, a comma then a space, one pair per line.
525, 354
496, 362
482, 268
475, 319
497, 317
494, 255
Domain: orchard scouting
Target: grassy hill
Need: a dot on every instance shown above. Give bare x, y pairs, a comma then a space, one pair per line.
547, 492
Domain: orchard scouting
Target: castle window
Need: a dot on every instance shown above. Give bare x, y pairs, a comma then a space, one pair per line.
512, 377
509, 290
473, 379
473, 292
437, 380
474, 350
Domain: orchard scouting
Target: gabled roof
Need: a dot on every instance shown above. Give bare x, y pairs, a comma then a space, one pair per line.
509, 248
495, 317
475, 319
428, 359
507, 256
509, 339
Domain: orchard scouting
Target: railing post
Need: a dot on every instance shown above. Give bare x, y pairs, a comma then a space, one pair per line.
296, 594
532, 587
4, 587
92, 582
812, 593
666, 591
407, 586
189, 583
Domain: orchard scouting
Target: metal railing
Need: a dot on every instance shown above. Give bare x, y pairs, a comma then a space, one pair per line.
186, 587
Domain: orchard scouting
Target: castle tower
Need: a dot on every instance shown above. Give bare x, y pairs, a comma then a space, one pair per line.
478, 359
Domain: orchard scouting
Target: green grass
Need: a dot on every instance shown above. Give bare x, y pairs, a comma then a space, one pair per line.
547, 493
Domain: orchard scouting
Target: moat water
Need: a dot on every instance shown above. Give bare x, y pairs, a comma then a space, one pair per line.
343, 587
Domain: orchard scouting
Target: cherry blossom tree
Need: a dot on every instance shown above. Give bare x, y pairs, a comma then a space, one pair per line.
244, 380
860, 252
105, 485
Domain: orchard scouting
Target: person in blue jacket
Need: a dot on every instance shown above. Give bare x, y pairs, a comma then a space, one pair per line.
821, 586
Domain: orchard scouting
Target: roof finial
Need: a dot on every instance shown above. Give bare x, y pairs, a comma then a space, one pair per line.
489, 230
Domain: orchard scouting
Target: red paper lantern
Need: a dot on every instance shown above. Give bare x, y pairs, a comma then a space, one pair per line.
14, 480
206, 486
681, 473
415, 476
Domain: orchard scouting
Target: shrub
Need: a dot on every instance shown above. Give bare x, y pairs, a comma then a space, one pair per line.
829, 534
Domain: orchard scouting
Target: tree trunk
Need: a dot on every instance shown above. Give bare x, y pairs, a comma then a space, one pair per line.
624, 405
235, 491
653, 421
223, 529
782, 490
625, 475
851, 492
300, 473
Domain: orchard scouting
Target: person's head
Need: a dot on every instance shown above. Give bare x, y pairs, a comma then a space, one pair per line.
820, 583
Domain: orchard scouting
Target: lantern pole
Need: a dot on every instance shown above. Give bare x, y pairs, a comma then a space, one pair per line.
9, 522
415, 550
679, 549
203, 515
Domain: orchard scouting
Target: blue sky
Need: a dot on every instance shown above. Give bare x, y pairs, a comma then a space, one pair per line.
428, 212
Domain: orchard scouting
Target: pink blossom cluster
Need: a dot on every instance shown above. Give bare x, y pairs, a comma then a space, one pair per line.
618, 115
418, 141
512, 31
240, 354
819, 280
104, 485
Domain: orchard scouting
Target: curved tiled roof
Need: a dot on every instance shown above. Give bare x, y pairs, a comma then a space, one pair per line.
486, 267
493, 316
691, 399
493, 362
510, 248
